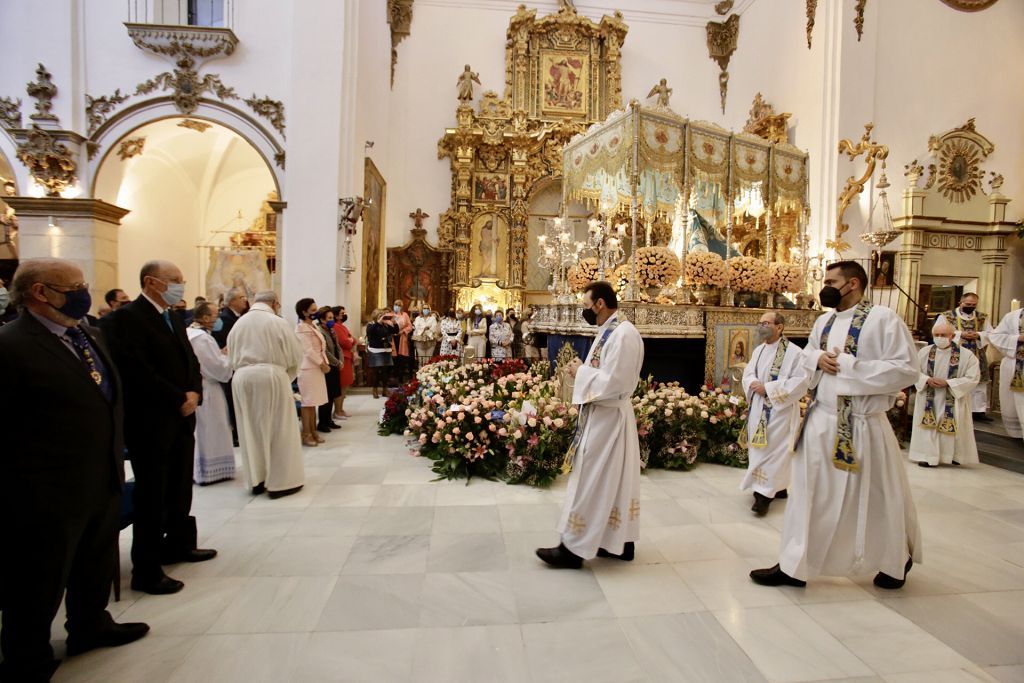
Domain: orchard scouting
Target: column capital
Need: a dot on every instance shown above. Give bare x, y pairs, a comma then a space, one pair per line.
95, 209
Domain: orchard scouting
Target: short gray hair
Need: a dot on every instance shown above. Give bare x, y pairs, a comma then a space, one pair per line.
29, 272
267, 296
234, 293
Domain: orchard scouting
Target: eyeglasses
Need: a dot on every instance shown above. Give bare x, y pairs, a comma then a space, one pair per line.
762, 324
63, 289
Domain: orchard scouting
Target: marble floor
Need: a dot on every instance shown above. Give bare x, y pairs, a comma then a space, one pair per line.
376, 573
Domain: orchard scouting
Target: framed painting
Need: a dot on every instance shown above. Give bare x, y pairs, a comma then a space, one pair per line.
883, 269
375, 196
565, 82
491, 188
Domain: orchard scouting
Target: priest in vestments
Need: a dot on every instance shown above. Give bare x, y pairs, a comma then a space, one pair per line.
1008, 337
774, 381
602, 501
265, 355
971, 334
943, 426
850, 511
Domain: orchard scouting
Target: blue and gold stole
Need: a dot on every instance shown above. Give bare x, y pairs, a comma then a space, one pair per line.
1017, 383
977, 324
947, 425
844, 457
760, 438
581, 420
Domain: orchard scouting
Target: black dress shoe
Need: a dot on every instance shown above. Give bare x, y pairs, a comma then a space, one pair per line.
259, 489
781, 495
198, 555
883, 580
112, 636
323, 429
284, 492
774, 576
981, 417
923, 464
560, 557
165, 585
956, 464
628, 551
761, 503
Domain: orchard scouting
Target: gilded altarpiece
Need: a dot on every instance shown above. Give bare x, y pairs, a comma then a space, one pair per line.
562, 74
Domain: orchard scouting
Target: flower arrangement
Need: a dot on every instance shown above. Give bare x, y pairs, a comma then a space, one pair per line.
669, 423
706, 269
726, 417
583, 273
656, 266
785, 277
393, 419
748, 274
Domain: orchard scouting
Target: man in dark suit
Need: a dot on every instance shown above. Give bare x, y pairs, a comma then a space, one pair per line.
237, 306
162, 388
62, 462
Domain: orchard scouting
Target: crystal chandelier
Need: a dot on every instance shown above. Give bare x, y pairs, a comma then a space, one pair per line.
558, 253
605, 246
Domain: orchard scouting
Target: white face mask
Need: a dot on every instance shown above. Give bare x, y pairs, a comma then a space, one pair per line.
942, 342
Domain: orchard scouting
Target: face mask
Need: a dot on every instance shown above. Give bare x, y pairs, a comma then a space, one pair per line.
968, 310
397, 309
942, 342
5, 299
330, 324
763, 333
344, 317
590, 316
830, 296
175, 293
426, 311
313, 316
458, 316
218, 325
76, 303
476, 311
497, 318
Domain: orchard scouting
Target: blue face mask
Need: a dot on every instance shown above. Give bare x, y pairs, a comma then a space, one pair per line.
330, 324
5, 299
497, 319
77, 303
174, 293
218, 325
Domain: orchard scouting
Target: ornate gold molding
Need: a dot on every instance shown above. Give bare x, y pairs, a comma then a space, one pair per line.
131, 147
193, 124
97, 109
723, 37
272, 110
200, 43
811, 8
42, 90
858, 19
10, 113
873, 153
48, 161
969, 5
764, 122
960, 153
400, 21
185, 85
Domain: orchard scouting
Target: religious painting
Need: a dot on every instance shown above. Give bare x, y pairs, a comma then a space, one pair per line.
883, 269
491, 188
374, 195
943, 298
564, 78
242, 268
733, 344
489, 255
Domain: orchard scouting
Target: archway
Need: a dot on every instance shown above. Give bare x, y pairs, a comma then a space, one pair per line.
190, 185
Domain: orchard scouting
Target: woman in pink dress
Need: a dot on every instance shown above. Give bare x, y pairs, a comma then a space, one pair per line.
312, 385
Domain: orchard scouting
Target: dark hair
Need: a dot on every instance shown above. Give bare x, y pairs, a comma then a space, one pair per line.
851, 269
450, 313
200, 299
967, 294
203, 309
600, 289
301, 306
336, 310
111, 296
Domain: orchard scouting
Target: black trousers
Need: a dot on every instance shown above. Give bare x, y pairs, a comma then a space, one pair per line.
323, 413
231, 410
52, 546
163, 525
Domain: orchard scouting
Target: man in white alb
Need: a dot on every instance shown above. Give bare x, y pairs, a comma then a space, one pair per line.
265, 355
850, 511
1008, 337
943, 426
774, 381
602, 501
971, 334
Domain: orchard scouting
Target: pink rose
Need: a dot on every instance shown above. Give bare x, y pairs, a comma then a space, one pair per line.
469, 436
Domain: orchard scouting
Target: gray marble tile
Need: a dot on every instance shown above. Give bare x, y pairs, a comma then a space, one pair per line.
326, 521
398, 521
468, 599
592, 651
361, 603
380, 656
307, 556
467, 553
152, 659
276, 605
687, 647
191, 612
388, 555
470, 654
466, 519
252, 658
558, 595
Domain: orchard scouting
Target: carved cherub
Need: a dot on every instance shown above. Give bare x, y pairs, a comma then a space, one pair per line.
465, 84
662, 91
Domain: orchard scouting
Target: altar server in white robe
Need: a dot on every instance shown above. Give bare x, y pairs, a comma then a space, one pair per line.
971, 334
774, 381
943, 425
266, 354
215, 456
850, 511
1008, 337
602, 500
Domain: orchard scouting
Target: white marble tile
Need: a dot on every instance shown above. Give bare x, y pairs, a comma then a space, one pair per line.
592, 651
307, 556
361, 603
968, 529
354, 474
470, 654
251, 658
687, 647
659, 512
325, 521
749, 539
520, 548
406, 495
467, 599
726, 584
302, 499
346, 495
787, 645
276, 605
388, 555
190, 612
525, 495
237, 555
152, 660
637, 590
466, 519
558, 595
415, 471
1006, 674
398, 521
475, 493
467, 553
258, 521
688, 543
517, 518
961, 675
378, 656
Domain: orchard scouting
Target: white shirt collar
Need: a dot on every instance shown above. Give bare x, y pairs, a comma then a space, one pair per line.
159, 306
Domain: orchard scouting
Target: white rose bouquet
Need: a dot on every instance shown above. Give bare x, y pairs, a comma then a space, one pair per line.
583, 273
705, 268
656, 266
748, 274
785, 277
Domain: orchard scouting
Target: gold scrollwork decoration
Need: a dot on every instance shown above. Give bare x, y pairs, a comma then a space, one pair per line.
272, 110
873, 153
97, 109
42, 90
723, 37
811, 9
197, 126
48, 161
186, 86
131, 147
969, 5
858, 18
959, 153
400, 21
10, 112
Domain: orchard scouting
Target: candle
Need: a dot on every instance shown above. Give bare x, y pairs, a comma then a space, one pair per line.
1014, 304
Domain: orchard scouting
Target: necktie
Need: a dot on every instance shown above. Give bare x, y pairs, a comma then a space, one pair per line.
94, 364
167, 319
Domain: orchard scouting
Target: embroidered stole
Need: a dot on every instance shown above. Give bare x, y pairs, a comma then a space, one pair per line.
977, 324
760, 438
947, 425
1017, 384
584, 412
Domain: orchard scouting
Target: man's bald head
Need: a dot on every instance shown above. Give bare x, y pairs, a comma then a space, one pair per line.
40, 285
162, 270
